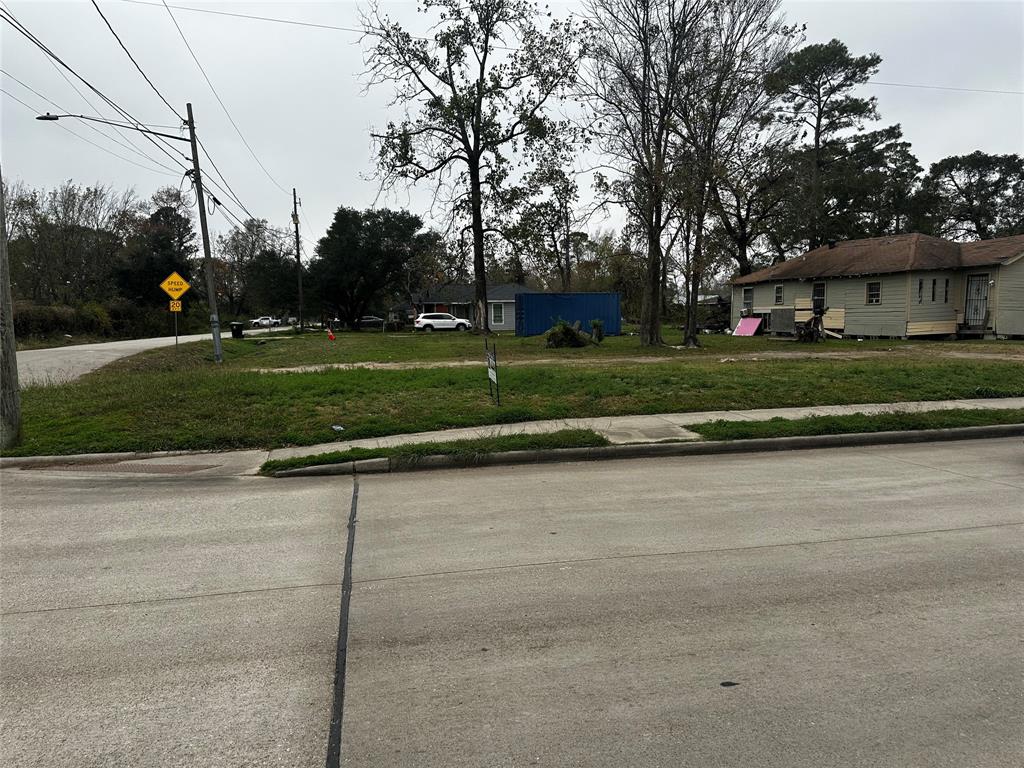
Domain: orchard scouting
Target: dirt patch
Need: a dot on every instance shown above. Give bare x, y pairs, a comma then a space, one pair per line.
685, 355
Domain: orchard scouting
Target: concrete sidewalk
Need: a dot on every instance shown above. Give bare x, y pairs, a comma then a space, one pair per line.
619, 430
648, 428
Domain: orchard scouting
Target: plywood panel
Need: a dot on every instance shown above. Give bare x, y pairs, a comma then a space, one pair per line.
928, 328
835, 317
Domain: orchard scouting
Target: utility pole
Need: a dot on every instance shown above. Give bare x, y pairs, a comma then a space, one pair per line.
10, 395
211, 288
298, 248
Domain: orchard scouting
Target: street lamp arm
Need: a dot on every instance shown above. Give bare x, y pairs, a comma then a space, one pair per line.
49, 117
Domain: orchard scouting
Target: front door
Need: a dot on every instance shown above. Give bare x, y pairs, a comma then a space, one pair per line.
976, 308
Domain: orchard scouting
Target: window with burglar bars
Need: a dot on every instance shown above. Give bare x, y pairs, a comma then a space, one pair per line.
779, 292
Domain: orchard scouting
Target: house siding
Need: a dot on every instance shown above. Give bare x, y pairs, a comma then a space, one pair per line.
1009, 311
509, 316
850, 294
927, 317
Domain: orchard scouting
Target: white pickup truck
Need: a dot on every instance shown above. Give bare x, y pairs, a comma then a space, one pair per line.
265, 322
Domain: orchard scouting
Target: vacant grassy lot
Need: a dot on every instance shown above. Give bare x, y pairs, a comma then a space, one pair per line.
286, 350
163, 400
857, 422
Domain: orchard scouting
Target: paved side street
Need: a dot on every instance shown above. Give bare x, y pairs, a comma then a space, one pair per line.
580, 614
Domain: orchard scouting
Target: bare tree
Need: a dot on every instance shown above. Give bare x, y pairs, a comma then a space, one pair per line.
740, 42
634, 79
481, 86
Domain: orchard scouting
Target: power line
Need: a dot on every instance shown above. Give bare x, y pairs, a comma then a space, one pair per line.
129, 54
276, 20
88, 124
947, 88
221, 101
88, 141
250, 16
24, 31
334, 27
231, 192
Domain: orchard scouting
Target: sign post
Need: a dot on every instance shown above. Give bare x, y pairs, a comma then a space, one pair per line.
175, 286
492, 371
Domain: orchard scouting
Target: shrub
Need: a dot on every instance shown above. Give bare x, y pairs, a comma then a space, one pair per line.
93, 318
564, 335
597, 328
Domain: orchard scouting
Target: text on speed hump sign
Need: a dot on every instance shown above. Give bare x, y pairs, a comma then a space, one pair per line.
175, 286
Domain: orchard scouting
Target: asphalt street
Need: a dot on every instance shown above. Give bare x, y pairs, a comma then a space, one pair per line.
60, 364
865, 604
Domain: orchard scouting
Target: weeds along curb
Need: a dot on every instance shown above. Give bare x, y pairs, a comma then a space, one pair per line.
640, 450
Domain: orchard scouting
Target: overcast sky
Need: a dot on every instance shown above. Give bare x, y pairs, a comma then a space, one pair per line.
297, 95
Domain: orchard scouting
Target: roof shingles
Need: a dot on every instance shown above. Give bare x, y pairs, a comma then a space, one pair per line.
883, 255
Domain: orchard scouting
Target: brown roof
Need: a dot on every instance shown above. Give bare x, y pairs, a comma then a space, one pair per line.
882, 255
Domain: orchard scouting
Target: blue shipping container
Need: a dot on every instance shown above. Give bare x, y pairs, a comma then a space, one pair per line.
537, 312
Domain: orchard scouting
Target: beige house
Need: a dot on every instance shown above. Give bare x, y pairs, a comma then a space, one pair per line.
898, 286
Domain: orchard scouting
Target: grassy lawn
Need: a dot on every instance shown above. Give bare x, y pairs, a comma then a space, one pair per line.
858, 422
284, 349
165, 401
465, 450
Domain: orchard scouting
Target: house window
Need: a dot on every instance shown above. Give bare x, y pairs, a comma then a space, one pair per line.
497, 314
874, 293
748, 300
920, 291
818, 296
945, 295
778, 294
934, 281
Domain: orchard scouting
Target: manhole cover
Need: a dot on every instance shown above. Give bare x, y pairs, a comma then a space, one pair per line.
136, 467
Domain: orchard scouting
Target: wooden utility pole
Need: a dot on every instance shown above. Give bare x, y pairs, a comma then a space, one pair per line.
298, 248
211, 286
10, 395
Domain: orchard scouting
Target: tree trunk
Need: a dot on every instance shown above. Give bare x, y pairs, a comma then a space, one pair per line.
650, 314
479, 266
742, 259
10, 395
690, 339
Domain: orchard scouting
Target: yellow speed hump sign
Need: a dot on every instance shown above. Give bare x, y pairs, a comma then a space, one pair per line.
175, 286
175, 306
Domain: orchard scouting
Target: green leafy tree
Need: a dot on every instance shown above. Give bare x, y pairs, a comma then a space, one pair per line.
975, 197
363, 258
480, 87
814, 87
164, 243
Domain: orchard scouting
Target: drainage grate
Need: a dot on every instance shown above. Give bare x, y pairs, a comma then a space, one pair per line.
138, 467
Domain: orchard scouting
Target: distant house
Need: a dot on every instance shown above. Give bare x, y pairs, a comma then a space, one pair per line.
898, 286
460, 300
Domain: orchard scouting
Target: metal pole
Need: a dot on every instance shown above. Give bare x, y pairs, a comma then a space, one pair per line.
175, 329
211, 289
298, 248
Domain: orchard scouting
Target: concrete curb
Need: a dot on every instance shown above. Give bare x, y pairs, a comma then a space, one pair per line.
7, 462
640, 450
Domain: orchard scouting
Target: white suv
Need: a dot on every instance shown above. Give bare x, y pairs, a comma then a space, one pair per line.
439, 321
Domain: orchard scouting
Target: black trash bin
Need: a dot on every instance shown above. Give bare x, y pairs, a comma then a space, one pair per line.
236, 330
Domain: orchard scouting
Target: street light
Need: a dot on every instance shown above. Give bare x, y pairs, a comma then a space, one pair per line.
53, 118
211, 293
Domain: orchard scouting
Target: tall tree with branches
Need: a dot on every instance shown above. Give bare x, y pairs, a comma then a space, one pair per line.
641, 52
724, 97
480, 87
